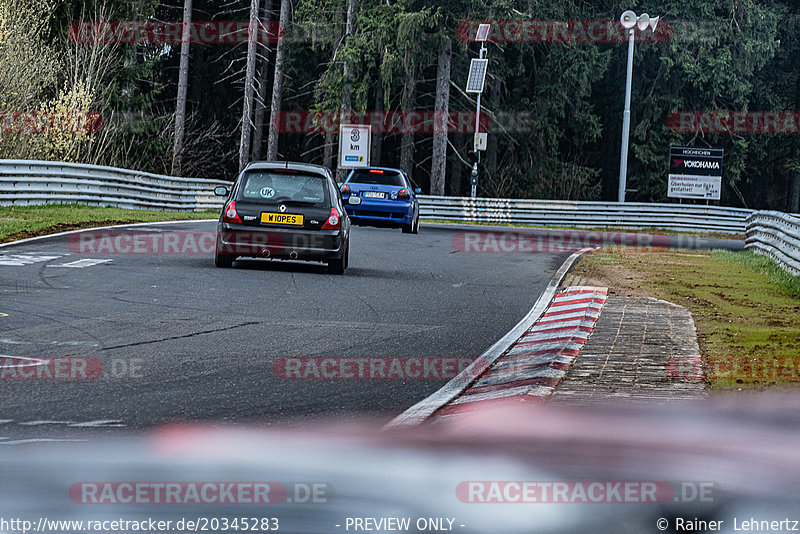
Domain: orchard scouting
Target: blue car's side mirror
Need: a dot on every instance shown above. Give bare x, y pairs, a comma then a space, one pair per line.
418, 190
339, 184
221, 191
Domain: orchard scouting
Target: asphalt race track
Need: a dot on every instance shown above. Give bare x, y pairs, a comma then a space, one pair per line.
180, 340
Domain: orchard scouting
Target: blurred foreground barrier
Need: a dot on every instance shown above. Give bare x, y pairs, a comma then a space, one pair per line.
776, 235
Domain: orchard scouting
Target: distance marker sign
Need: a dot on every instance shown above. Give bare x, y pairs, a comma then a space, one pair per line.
695, 172
354, 145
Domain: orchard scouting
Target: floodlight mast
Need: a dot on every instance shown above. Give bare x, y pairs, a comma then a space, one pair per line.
630, 21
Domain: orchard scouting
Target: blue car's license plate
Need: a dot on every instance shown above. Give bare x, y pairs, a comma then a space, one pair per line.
373, 194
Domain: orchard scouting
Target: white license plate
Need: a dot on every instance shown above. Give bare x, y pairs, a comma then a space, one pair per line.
373, 194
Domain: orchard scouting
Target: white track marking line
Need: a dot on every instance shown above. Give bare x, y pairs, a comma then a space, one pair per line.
8, 341
45, 422
102, 423
81, 264
19, 260
40, 440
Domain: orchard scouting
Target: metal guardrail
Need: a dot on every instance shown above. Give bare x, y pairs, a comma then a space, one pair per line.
26, 183
776, 235
586, 214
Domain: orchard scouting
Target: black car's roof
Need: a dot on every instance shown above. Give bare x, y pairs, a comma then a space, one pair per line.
293, 165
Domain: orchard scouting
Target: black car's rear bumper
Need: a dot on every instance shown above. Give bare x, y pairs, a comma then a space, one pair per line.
281, 243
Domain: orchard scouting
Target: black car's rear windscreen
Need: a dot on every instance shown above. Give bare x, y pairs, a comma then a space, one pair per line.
275, 187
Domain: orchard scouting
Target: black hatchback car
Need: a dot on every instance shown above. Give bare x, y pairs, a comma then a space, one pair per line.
284, 210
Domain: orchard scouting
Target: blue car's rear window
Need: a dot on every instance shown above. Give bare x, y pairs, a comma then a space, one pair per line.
376, 177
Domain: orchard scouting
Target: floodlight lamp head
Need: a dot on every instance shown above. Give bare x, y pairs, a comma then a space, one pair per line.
643, 22
628, 20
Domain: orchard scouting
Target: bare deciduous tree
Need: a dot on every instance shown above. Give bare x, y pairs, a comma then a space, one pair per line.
277, 83
439, 159
183, 83
250, 74
407, 139
261, 93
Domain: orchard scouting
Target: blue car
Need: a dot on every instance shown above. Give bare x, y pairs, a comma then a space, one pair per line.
379, 196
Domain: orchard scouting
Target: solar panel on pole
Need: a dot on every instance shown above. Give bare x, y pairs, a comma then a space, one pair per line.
477, 75
483, 32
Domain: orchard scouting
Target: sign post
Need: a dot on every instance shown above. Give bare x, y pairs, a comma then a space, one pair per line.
354, 145
695, 172
475, 81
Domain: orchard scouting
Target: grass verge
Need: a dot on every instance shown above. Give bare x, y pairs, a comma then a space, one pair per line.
746, 309
20, 222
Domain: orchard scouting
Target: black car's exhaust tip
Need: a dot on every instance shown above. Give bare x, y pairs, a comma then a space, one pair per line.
265, 252
293, 255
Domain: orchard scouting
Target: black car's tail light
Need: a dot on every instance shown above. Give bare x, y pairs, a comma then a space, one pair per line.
231, 215
334, 221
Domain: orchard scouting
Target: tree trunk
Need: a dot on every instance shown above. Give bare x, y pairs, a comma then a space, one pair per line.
261, 98
183, 83
277, 85
794, 194
347, 95
377, 135
439, 162
327, 151
456, 170
407, 138
250, 74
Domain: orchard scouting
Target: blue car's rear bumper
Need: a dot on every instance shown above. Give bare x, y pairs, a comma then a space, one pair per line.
381, 212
